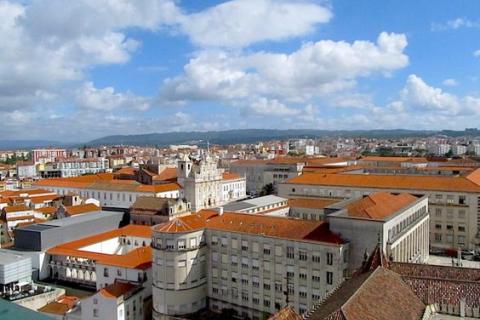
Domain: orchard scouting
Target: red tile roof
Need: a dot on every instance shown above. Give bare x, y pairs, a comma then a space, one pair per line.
118, 289
268, 226
139, 258
231, 176
385, 181
379, 205
82, 208
310, 203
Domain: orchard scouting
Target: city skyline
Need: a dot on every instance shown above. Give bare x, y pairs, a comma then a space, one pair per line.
99, 68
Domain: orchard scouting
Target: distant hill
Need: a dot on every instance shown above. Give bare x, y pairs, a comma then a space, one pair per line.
27, 144
247, 136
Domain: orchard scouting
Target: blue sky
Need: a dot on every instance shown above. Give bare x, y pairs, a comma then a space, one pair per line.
74, 71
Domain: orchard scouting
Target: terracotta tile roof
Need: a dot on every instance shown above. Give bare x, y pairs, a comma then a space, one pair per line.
407, 182
125, 170
119, 289
310, 203
139, 258
82, 208
394, 159
151, 203
286, 313
17, 218
231, 176
42, 199
380, 294
379, 205
60, 307
166, 174
269, 226
46, 210
30, 192
16, 208
105, 181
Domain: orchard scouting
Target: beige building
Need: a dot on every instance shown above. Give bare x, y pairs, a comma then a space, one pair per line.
248, 263
151, 210
454, 201
207, 186
399, 223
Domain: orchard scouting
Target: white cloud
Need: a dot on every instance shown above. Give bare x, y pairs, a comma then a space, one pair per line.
107, 99
450, 82
239, 23
265, 107
455, 24
316, 69
418, 94
476, 53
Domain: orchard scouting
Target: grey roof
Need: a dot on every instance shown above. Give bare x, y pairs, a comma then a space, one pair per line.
236, 206
80, 218
264, 201
253, 203
9, 256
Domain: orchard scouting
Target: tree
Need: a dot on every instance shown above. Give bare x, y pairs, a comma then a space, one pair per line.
267, 189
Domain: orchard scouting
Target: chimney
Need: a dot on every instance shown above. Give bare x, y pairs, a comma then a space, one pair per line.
220, 211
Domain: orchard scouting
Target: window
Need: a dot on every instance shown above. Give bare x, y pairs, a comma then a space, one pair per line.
255, 265
462, 200
244, 296
449, 227
438, 237
266, 286
461, 240
303, 275
244, 245
329, 258
182, 244
302, 255
95, 301
234, 244
224, 242
329, 277
438, 212
119, 272
245, 263
170, 245
182, 263
234, 277
266, 303
290, 253
438, 226
266, 250
234, 260
214, 240
278, 286
256, 300
461, 228
95, 313
105, 272
316, 258
461, 214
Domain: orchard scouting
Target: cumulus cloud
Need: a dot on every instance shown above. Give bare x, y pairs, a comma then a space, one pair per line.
316, 69
264, 106
107, 99
239, 23
450, 82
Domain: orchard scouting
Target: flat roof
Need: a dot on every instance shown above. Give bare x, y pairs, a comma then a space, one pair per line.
9, 256
12, 311
80, 218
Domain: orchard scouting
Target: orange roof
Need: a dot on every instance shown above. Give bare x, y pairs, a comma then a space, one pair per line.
407, 182
46, 210
60, 307
138, 258
16, 208
394, 159
268, 226
231, 176
82, 208
379, 205
118, 289
30, 192
105, 181
126, 171
310, 203
46, 198
244, 162
166, 174
26, 217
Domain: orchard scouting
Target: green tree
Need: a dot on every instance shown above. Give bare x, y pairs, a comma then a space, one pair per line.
267, 189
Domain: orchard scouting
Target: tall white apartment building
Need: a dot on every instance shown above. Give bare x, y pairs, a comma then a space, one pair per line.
439, 149
254, 265
66, 168
459, 149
